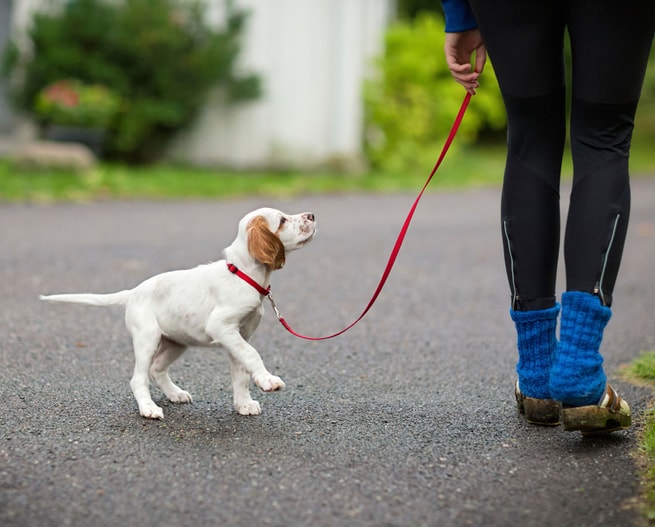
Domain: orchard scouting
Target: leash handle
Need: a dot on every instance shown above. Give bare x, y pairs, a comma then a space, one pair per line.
399, 240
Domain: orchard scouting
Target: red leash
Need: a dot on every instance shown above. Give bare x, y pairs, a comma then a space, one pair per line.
399, 240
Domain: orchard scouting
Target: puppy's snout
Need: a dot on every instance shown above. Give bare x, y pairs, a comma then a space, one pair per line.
308, 216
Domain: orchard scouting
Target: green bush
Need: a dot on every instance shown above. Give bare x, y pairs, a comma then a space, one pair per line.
645, 124
411, 8
159, 56
412, 101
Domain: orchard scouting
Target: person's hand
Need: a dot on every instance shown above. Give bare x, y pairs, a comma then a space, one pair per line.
459, 50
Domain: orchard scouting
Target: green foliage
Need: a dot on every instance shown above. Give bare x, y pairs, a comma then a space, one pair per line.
645, 122
411, 8
160, 56
413, 100
72, 103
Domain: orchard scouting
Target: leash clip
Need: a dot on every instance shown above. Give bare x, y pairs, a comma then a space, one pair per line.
277, 311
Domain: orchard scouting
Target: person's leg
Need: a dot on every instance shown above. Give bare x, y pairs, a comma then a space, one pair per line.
525, 40
525, 43
536, 341
610, 49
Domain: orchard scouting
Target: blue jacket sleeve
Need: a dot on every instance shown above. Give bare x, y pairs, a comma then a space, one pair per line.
459, 16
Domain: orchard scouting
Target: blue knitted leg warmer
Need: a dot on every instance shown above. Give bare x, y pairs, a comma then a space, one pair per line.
577, 377
536, 333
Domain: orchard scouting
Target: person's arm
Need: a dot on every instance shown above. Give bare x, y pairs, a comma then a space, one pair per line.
459, 16
462, 41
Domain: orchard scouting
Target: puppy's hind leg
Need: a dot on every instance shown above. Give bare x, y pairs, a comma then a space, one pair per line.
243, 402
146, 343
167, 353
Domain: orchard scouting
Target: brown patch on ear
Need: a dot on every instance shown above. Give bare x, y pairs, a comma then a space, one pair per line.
263, 245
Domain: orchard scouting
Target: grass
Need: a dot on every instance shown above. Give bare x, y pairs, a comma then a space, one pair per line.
108, 181
462, 168
648, 446
642, 369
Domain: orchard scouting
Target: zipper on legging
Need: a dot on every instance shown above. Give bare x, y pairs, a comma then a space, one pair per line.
598, 288
515, 293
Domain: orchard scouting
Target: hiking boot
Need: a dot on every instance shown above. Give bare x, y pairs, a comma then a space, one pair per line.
610, 414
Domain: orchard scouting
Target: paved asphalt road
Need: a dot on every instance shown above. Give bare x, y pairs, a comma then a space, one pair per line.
406, 420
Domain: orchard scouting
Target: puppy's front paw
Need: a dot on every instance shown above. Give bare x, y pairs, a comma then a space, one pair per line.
270, 383
150, 410
180, 396
248, 408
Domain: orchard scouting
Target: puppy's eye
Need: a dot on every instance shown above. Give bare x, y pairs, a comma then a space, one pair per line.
283, 220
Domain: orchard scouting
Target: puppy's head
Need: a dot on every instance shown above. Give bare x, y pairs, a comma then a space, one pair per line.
270, 234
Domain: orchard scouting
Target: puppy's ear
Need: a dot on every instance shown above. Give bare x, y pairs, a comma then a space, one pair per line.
264, 245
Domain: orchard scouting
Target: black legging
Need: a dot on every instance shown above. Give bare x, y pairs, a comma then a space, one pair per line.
610, 42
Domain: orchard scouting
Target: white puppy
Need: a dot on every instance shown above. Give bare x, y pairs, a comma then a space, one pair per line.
210, 305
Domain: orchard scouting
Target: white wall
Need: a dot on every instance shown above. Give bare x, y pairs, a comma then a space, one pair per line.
312, 56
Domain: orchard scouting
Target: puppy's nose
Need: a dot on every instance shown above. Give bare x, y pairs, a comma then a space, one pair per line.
309, 216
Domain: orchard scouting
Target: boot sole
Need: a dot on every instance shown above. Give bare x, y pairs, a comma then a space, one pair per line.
612, 414
542, 412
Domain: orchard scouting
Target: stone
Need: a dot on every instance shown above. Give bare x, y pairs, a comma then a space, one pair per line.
52, 154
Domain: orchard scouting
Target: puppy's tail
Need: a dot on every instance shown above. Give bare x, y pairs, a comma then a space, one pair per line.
93, 299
